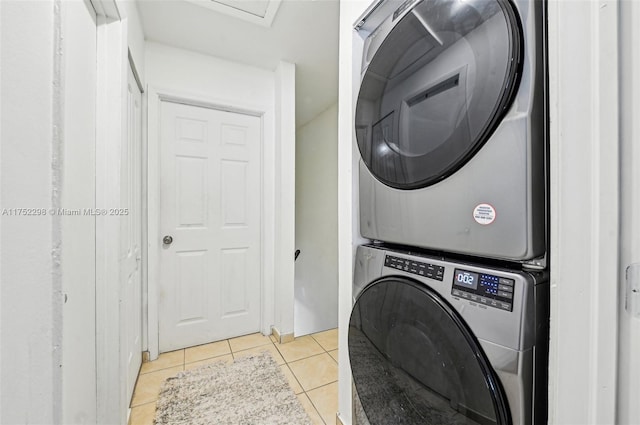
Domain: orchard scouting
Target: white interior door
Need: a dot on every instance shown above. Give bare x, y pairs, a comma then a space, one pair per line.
131, 238
210, 198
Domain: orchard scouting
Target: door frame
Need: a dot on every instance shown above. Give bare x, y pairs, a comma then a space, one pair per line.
156, 95
137, 185
112, 64
584, 202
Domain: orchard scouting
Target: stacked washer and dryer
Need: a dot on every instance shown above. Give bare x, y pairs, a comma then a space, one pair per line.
450, 299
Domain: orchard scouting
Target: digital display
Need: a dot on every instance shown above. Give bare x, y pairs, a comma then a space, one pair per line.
466, 279
482, 288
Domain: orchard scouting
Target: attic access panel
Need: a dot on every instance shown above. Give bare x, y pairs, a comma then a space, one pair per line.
259, 12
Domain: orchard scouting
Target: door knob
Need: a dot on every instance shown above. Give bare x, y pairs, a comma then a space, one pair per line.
167, 240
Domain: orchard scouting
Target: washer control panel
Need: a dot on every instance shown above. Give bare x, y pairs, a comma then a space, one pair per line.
486, 289
415, 267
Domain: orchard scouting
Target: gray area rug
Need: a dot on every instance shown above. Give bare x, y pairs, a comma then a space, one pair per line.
251, 390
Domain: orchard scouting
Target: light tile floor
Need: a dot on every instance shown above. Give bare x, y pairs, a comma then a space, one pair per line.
310, 364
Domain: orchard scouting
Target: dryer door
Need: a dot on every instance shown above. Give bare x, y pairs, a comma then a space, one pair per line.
415, 361
436, 88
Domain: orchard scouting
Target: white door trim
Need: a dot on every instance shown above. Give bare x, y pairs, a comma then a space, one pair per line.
628, 408
267, 244
584, 210
112, 63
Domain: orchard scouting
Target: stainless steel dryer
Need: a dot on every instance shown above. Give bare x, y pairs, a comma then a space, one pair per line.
434, 341
450, 124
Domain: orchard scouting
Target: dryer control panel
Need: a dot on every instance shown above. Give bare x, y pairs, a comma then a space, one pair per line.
486, 289
415, 267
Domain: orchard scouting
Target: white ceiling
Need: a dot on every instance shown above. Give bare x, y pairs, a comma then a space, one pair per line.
304, 32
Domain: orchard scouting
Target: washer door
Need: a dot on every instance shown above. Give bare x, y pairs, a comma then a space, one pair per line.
415, 361
436, 88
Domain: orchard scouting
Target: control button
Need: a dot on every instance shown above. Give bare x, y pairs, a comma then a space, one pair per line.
505, 294
421, 272
494, 303
456, 292
489, 279
483, 300
505, 281
475, 298
504, 306
505, 288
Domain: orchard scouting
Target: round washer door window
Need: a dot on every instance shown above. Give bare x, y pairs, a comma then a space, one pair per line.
435, 89
414, 361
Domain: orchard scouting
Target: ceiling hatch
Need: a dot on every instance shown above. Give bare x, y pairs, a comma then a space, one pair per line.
260, 12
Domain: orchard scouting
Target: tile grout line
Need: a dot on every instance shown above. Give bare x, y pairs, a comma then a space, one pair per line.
294, 377
143, 404
311, 400
323, 385
306, 393
160, 370
314, 408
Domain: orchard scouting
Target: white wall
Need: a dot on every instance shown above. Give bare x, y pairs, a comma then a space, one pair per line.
316, 270
76, 171
216, 81
207, 76
48, 148
135, 34
285, 102
30, 285
48, 301
348, 232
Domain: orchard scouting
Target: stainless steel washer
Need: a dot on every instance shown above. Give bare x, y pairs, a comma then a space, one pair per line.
450, 124
436, 341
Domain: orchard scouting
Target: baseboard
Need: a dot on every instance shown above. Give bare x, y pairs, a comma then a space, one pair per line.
282, 339
339, 420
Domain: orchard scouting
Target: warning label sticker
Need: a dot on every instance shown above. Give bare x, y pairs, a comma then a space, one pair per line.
484, 214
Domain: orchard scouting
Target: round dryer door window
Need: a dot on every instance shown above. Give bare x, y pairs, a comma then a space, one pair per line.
414, 360
436, 87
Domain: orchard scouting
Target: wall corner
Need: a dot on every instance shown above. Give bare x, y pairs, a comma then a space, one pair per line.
285, 104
